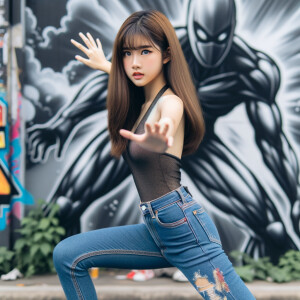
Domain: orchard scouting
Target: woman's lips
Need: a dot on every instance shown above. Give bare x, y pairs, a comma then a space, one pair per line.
137, 75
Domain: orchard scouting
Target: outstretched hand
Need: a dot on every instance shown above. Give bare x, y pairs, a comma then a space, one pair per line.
94, 52
154, 139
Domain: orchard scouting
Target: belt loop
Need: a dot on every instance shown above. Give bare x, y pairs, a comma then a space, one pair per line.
180, 194
186, 188
151, 210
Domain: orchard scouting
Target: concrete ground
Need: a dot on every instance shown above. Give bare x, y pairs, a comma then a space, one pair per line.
47, 287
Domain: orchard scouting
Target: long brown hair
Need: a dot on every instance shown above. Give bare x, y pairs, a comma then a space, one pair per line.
124, 99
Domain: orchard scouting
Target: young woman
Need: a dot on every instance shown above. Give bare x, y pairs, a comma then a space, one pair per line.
154, 117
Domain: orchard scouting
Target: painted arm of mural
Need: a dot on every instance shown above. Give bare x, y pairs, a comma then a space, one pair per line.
266, 119
90, 99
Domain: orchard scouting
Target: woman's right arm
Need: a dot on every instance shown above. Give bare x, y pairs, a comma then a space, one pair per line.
94, 52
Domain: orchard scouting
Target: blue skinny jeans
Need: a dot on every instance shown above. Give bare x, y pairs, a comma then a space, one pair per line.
176, 232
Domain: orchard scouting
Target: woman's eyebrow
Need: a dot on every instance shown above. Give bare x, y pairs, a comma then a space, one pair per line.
138, 47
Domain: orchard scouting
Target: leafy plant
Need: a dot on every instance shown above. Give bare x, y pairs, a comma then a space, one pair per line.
248, 268
39, 235
6, 258
288, 267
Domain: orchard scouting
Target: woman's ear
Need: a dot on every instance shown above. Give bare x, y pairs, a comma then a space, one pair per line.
167, 56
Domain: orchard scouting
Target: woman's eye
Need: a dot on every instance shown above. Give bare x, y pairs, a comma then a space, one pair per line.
126, 53
145, 52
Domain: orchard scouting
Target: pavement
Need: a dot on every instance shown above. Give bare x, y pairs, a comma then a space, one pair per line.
108, 287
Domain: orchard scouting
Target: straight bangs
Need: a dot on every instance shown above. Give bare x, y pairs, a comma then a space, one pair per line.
132, 36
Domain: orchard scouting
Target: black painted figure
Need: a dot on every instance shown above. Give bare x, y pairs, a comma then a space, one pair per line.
227, 73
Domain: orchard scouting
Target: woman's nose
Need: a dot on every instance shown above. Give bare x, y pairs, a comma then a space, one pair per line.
135, 61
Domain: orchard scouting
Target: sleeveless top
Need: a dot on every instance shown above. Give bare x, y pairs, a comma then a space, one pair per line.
155, 174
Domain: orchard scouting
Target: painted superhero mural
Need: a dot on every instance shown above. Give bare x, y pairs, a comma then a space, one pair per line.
242, 55
13, 196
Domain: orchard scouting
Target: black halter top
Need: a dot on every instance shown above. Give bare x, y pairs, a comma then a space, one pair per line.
155, 174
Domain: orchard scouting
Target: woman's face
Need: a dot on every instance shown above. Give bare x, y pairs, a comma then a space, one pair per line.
144, 63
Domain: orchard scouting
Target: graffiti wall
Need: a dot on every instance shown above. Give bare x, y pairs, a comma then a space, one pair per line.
13, 196
243, 57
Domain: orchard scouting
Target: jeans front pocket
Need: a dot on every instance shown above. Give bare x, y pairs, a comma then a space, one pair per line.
170, 216
207, 225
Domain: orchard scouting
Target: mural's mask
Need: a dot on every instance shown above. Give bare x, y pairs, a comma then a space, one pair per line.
211, 25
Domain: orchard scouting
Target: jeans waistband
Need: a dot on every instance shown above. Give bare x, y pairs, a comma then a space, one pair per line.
180, 193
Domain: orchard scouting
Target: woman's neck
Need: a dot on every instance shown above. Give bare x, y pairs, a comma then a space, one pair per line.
152, 88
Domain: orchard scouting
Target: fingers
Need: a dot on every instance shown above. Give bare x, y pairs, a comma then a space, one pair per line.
83, 60
91, 39
132, 136
148, 128
152, 130
85, 40
79, 46
96, 58
161, 129
152, 139
164, 128
126, 134
99, 44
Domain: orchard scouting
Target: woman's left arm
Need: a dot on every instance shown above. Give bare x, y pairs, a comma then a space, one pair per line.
171, 112
158, 137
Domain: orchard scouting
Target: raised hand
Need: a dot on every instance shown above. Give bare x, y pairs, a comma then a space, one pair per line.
94, 52
154, 139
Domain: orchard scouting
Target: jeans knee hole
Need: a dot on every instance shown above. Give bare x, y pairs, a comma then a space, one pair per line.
215, 291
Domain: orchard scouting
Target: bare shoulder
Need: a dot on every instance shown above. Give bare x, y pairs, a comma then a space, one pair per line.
171, 106
169, 101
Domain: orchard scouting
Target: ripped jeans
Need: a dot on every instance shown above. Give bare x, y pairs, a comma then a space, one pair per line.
176, 232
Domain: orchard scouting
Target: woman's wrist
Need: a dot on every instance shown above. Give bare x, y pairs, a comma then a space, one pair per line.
106, 67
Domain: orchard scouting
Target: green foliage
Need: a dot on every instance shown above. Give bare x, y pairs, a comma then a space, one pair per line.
6, 258
288, 268
39, 235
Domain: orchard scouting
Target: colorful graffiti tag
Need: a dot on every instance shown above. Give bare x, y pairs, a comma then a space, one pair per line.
13, 196
12, 192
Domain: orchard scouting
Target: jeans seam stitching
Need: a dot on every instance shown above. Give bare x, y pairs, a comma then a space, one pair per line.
77, 288
191, 227
210, 237
171, 225
188, 204
104, 252
161, 208
153, 230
